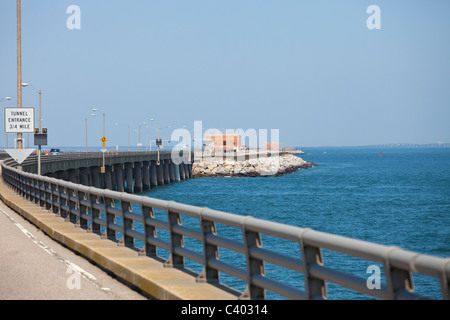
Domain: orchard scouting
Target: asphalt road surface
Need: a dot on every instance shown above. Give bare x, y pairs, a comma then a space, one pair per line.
34, 267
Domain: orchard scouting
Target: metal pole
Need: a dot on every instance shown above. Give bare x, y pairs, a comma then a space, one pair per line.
103, 168
39, 152
158, 143
40, 118
39, 160
19, 69
85, 125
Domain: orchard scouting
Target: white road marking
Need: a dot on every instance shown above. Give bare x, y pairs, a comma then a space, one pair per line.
89, 277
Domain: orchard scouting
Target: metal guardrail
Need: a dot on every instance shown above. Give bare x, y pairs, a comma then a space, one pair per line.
116, 216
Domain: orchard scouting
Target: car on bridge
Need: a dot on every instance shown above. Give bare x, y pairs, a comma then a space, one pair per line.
55, 151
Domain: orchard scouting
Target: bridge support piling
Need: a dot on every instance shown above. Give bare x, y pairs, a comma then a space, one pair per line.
160, 174
171, 171
95, 174
119, 177
146, 175
108, 184
166, 172
153, 174
176, 168
73, 175
129, 177
138, 177
189, 169
182, 176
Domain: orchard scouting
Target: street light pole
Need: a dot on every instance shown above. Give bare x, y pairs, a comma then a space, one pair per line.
157, 144
19, 68
103, 170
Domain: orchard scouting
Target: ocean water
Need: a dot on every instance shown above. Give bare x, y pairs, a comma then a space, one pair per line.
400, 198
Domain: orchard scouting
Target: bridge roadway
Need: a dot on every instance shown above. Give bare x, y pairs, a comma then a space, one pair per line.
33, 266
26, 257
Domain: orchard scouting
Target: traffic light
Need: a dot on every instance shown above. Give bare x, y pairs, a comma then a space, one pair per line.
44, 130
36, 130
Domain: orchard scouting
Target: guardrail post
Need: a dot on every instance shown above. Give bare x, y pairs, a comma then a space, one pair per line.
314, 288
445, 283
109, 218
54, 196
24, 189
95, 213
176, 239
41, 187
149, 231
126, 224
47, 195
396, 279
254, 266
72, 203
33, 191
83, 209
210, 251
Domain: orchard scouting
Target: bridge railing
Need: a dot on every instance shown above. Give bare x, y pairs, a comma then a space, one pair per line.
132, 220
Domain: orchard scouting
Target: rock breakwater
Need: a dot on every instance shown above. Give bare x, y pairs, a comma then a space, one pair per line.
261, 166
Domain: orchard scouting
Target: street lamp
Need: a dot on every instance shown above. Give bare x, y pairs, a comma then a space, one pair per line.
158, 142
86, 119
39, 92
103, 170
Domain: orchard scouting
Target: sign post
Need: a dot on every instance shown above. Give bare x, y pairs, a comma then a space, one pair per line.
158, 144
40, 139
103, 140
19, 120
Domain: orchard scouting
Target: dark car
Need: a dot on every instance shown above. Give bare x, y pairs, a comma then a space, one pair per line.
55, 151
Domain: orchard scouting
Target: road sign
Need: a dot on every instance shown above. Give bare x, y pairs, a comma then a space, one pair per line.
104, 139
19, 120
19, 155
40, 139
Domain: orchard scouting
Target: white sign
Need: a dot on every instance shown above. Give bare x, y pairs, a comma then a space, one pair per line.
19, 155
19, 120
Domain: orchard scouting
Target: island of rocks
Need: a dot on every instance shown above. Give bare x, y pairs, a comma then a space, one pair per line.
253, 167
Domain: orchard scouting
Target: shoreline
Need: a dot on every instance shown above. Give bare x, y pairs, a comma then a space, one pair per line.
254, 167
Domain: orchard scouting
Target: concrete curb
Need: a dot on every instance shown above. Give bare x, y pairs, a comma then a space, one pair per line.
145, 273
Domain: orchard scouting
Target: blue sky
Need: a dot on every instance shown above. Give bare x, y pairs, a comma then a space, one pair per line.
311, 69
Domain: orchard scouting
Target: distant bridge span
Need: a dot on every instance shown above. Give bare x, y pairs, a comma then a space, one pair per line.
130, 172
